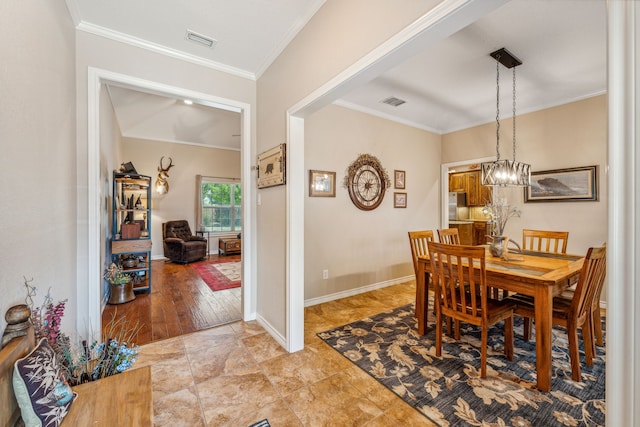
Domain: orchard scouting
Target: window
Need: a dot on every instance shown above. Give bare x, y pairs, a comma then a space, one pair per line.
220, 203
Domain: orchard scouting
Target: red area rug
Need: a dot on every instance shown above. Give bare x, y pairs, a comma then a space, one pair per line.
219, 275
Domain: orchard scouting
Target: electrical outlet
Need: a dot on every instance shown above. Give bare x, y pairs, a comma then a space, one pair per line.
325, 274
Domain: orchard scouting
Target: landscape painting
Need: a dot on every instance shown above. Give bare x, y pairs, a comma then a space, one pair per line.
563, 185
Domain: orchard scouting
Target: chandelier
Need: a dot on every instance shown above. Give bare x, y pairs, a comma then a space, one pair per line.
505, 173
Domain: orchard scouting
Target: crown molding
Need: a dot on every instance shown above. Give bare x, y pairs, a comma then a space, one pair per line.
386, 116
288, 38
163, 50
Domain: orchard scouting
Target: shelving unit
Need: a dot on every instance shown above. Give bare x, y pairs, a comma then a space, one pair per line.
131, 227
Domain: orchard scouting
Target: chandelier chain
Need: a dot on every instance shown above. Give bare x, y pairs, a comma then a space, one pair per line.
514, 114
498, 108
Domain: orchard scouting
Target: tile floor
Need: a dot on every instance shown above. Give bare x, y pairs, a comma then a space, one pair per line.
236, 375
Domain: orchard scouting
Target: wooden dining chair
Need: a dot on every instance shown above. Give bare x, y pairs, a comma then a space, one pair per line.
449, 236
451, 266
575, 312
596, 314
418, 241
545, 241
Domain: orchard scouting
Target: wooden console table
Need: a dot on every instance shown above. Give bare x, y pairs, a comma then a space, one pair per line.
119, 400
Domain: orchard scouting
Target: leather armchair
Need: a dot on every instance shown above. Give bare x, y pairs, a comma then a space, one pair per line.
180, 245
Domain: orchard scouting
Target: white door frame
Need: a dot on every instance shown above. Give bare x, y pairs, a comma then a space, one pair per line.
91, 309
444, 185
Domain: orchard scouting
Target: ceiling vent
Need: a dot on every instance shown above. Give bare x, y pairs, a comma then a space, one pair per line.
393, 101
199, 38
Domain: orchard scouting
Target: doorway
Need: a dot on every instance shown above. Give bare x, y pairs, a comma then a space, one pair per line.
90, 293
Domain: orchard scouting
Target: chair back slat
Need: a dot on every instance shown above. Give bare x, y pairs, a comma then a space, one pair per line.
449, 236
418, 241
590, 282
545, 241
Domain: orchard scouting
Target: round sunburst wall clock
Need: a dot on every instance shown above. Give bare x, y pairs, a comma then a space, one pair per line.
366, 181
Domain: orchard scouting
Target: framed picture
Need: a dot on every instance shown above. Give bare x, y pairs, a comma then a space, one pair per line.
563, 185
399, 179
322, 184
272, 167
399, 200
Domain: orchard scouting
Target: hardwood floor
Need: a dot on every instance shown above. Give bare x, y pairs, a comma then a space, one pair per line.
179, 303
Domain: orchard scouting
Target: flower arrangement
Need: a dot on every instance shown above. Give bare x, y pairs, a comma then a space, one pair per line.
85, 360
116, 276
500, 212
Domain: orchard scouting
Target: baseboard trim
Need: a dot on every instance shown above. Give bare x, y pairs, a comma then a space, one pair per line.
272, 331
356, 291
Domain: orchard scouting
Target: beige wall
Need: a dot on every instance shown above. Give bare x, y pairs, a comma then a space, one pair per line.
38, 173
188, 161
566, 136
336, 37
365, 248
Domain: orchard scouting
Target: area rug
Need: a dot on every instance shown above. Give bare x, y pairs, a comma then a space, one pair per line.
219, 275
449, 391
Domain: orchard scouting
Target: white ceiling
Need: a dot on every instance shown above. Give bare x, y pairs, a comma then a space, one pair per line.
450, 86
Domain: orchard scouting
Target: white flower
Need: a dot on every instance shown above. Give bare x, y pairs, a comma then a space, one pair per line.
500, 212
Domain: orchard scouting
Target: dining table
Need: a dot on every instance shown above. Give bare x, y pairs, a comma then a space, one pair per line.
539, 274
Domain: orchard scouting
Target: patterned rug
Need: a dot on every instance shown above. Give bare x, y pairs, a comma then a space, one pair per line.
449, 390
219, 275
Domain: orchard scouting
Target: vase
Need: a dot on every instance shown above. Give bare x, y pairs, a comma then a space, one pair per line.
121, 292
498, 246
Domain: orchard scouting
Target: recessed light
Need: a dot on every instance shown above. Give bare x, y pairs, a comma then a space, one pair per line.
188, 101
199, 38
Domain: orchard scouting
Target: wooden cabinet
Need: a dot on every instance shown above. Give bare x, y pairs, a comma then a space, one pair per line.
458, 182
480, 232
228, 246
465, 232
485, 192
131, 227
471, 184
473, 189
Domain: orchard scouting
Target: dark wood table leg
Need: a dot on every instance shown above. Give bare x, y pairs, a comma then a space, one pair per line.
544, 336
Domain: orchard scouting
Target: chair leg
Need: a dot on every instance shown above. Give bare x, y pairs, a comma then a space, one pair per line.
526, 329
597, 326
508, 338
589, 346
456, 329
438, 333
483, 356
574, 354
449, 327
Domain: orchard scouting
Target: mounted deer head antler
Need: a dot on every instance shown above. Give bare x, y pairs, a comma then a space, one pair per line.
162, 182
